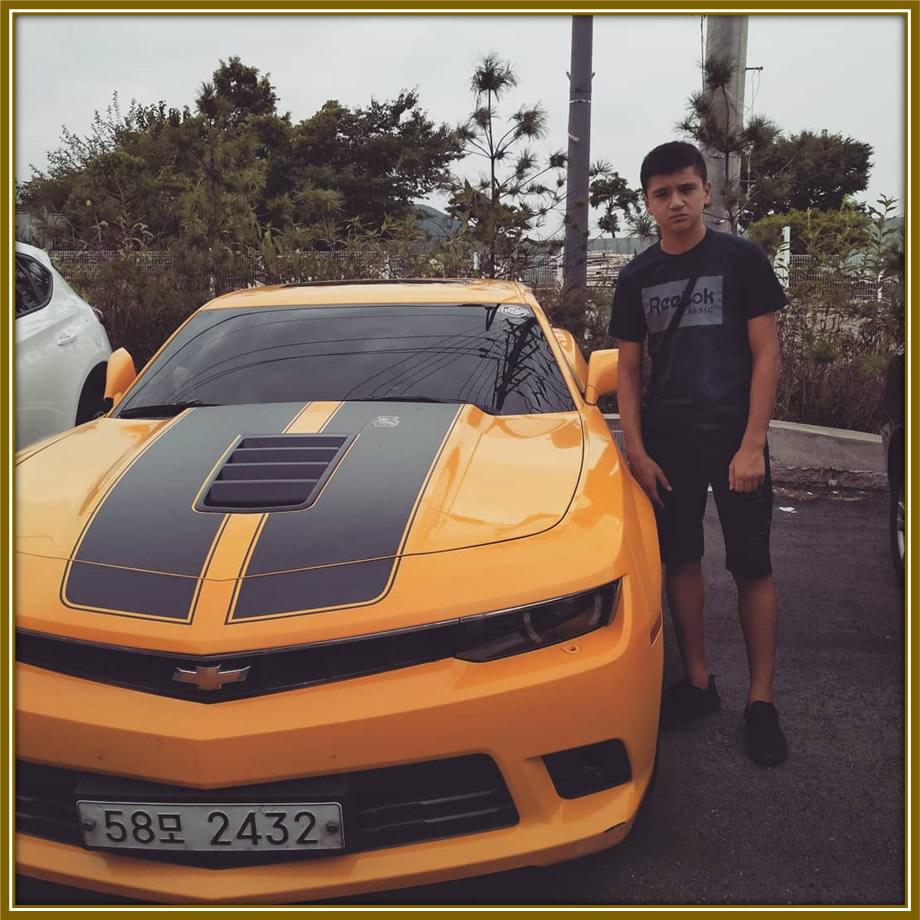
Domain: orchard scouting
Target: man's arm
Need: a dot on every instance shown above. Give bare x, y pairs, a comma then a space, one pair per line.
647, 472
746, 471
628, 386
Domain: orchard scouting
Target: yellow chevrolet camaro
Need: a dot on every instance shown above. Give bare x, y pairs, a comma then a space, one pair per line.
350, 590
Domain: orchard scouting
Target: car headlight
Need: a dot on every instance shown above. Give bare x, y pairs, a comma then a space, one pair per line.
523, 629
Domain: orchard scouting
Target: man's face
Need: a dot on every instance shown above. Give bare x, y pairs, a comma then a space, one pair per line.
676, 201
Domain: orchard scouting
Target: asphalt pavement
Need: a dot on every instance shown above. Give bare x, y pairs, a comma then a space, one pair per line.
826, 827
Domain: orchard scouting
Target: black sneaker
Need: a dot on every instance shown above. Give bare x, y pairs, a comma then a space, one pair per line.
684, 702
764, 740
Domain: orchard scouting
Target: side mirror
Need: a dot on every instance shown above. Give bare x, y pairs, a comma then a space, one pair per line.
602, 374
573, 355
119, 375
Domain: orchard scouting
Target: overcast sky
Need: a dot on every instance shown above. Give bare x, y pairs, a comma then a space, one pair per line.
840, 73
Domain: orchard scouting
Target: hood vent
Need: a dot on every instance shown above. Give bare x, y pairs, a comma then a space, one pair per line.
274, 473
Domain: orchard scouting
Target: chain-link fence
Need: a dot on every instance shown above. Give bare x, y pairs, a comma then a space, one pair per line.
84, 266
844, 284
539, 270
231, 271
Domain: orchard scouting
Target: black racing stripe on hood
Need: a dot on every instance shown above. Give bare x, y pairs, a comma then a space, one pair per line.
363, 510
330, 586
147, 520
128, 591
360, 517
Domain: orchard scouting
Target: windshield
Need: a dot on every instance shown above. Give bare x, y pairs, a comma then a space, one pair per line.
491, 355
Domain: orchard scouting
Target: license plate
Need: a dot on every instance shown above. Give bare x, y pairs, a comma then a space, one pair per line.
218, 828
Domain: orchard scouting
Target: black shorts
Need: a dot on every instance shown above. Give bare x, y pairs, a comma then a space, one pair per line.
692, 464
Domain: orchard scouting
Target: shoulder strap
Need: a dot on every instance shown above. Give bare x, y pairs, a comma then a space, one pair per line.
665, 339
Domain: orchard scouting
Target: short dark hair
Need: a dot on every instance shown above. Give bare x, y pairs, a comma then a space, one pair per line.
670, 158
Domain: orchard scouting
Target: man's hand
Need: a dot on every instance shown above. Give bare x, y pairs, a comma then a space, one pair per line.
649, 475
746, 472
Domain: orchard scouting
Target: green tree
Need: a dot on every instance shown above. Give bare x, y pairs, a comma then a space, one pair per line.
643, 225
805, 170
118, 186
512, 198
223, 204
236, 169
235, 93
845, 229
608, 189
883, 260
365, 163
709, 124
845, 316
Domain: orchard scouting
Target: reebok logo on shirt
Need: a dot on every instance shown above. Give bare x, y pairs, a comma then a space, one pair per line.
705, 308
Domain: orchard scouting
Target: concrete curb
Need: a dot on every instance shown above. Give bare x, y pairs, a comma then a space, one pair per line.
811, 477
810, 454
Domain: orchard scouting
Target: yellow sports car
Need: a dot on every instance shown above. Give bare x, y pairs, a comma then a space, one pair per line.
350, 590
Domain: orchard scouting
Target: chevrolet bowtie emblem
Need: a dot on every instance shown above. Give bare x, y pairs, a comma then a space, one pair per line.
210, 678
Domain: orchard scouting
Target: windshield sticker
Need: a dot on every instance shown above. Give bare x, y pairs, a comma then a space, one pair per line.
513, 310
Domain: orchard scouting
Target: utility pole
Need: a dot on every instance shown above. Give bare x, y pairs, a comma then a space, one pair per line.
575, 259
726, 40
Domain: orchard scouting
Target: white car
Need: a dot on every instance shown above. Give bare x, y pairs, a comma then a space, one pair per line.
61, 351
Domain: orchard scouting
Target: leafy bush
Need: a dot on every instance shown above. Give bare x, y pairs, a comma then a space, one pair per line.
144, 307
844, 229
146, 295
829, 377
843, 323
844, 320
836, 335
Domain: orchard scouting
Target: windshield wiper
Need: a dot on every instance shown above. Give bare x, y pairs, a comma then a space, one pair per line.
163, 410
425, 399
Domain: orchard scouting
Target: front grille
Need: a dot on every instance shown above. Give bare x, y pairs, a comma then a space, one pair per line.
391, 806
266, 670
274, 473
270, 671
43, 804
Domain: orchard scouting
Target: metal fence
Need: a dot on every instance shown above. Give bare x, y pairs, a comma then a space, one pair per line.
540, 270
848, 284
84, 265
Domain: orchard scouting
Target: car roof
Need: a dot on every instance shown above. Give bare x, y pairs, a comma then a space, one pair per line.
34, 251
374, 291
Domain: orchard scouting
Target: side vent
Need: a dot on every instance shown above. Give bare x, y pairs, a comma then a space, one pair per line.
274, 473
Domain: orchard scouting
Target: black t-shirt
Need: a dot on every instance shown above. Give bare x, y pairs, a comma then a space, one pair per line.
701, 380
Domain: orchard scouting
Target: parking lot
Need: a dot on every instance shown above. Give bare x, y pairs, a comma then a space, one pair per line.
828, 825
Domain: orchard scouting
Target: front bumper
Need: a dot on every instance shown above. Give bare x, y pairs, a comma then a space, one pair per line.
604, 685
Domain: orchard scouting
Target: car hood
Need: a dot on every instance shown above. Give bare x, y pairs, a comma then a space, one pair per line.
121, 504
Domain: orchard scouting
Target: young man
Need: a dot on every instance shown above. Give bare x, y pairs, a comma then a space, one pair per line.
704, 423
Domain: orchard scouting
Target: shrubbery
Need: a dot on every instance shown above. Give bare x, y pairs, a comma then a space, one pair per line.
845, 316
146, 295
844, 321
143, 307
